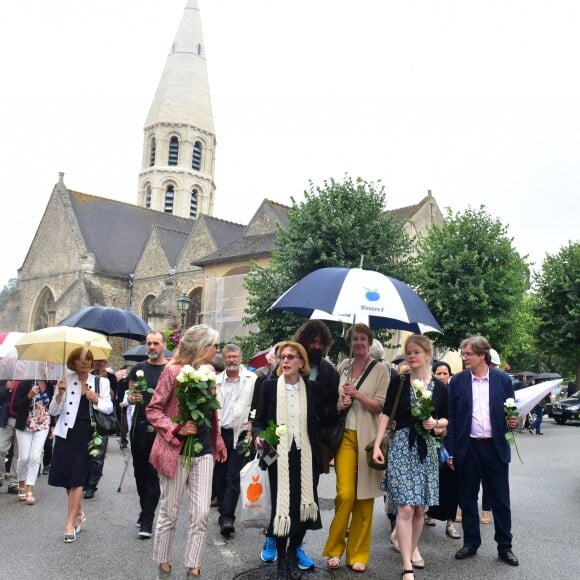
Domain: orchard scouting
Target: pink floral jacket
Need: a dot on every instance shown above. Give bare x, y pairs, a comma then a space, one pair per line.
164, 405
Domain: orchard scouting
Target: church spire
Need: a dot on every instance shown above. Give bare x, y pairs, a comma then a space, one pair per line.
177, 171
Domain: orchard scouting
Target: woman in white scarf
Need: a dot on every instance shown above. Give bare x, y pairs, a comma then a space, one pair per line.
287, 401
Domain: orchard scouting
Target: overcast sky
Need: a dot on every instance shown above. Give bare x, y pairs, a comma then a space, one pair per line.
477, 101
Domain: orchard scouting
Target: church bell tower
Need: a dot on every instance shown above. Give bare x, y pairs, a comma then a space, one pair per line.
177, 167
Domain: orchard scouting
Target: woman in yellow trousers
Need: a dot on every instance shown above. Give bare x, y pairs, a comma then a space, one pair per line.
362, 391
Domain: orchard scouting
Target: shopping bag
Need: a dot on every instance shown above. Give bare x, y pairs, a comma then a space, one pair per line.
255, 496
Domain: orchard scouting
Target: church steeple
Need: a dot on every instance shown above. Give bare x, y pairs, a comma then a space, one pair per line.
177, 170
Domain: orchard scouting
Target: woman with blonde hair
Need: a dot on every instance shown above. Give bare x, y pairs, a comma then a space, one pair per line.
197, 347
288, 400
412, 479
362, 390
71, 461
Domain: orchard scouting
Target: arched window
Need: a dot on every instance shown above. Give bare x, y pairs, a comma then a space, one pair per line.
146, 307
45, 310
169, 194
194, 315
173, 151
196, 160
193, 204
152, 152
148, 197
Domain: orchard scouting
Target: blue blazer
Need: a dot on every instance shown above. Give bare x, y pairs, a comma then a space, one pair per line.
461, 410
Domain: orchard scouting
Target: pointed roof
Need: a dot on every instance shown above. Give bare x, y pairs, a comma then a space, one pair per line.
183, 91
116, 233
407, 213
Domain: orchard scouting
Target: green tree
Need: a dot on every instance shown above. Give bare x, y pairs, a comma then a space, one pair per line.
336, 225
557, 305
472, 278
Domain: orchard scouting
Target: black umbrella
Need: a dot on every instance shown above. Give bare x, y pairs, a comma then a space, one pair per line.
546, 376
139, 353
524, 374
109, 321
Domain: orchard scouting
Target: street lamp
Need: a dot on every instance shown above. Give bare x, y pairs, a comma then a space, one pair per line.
183, 303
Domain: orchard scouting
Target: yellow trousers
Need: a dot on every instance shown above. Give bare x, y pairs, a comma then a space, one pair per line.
349, 509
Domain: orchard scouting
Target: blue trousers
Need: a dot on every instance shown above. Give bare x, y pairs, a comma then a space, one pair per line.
483, 464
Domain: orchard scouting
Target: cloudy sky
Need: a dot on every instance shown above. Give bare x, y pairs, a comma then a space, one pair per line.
478, 101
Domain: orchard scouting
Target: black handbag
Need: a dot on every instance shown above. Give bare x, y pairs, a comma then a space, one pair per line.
106, 424
389, 432
331, 436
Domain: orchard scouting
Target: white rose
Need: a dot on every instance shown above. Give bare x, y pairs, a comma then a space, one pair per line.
509, 402
253, 414
181, 377
426, 394
281, 430
418, 385
140, 374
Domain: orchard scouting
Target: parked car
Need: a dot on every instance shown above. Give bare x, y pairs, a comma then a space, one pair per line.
565, 409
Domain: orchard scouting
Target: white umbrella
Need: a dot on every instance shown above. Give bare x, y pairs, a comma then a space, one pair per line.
528, 398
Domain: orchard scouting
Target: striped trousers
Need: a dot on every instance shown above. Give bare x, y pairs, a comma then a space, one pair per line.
198, 483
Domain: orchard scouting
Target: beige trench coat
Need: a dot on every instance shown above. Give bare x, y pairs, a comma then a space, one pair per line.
375, 385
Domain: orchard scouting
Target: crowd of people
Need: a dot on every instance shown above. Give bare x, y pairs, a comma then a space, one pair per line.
447, 439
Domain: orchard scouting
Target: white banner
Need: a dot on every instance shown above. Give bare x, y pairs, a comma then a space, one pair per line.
528, 398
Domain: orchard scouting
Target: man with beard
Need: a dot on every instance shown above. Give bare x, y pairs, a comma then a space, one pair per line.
315, 337
234, 391
142, 432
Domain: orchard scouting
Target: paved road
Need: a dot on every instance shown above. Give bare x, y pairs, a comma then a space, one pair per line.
545, 503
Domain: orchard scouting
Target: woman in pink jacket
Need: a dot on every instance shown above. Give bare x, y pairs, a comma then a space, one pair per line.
197, 347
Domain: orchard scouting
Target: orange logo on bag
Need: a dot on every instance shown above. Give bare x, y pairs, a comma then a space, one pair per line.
254, 490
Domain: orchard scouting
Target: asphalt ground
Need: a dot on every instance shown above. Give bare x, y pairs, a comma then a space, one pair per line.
545, 492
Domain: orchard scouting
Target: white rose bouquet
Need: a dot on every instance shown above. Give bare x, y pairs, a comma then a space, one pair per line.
195, 393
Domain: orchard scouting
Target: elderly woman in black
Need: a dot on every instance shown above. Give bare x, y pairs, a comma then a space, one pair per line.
70, 459
288, 401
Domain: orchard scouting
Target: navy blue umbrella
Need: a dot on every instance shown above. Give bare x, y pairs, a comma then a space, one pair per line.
354, 294
110, 321
139, 353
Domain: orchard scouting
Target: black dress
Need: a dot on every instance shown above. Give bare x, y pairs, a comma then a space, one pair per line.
71, 461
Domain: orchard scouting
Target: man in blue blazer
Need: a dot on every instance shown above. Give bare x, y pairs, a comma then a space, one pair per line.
477, 445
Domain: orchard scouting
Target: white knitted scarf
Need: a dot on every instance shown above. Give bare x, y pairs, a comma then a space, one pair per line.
308, 507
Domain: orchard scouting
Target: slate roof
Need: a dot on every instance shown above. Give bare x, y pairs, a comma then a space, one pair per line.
407, 213
116, 232
245, 247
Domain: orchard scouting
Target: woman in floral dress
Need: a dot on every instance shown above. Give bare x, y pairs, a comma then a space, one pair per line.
412, 478
31, 402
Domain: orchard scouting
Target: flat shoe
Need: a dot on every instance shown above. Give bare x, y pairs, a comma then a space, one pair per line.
465, 552
419, 563
358, 567
452, 532
430, 521
333, 563
30, 500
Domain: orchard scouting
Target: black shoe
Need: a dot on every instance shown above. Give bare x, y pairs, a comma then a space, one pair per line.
538, 433
227, 529
145, 531
509, 558
13, 489
45, 469
465, 552
89, 494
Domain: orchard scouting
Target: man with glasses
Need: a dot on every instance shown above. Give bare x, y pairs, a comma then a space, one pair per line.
478, 447
234, 390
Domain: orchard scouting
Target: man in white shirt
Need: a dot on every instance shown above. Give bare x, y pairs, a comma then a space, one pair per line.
234, 389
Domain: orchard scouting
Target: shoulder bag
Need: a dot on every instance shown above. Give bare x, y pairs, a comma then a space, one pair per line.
106, 424
331, 436
389, 432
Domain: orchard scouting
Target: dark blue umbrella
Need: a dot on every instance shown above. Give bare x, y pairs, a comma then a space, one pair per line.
139, 353
109, 321
366, 296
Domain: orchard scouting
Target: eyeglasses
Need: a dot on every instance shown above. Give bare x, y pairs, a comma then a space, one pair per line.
289, 357
468, 354
232, 357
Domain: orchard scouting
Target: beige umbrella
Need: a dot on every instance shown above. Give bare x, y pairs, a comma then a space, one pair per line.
55, 344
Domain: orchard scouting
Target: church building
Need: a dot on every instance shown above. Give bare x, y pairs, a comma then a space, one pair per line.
89, 250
